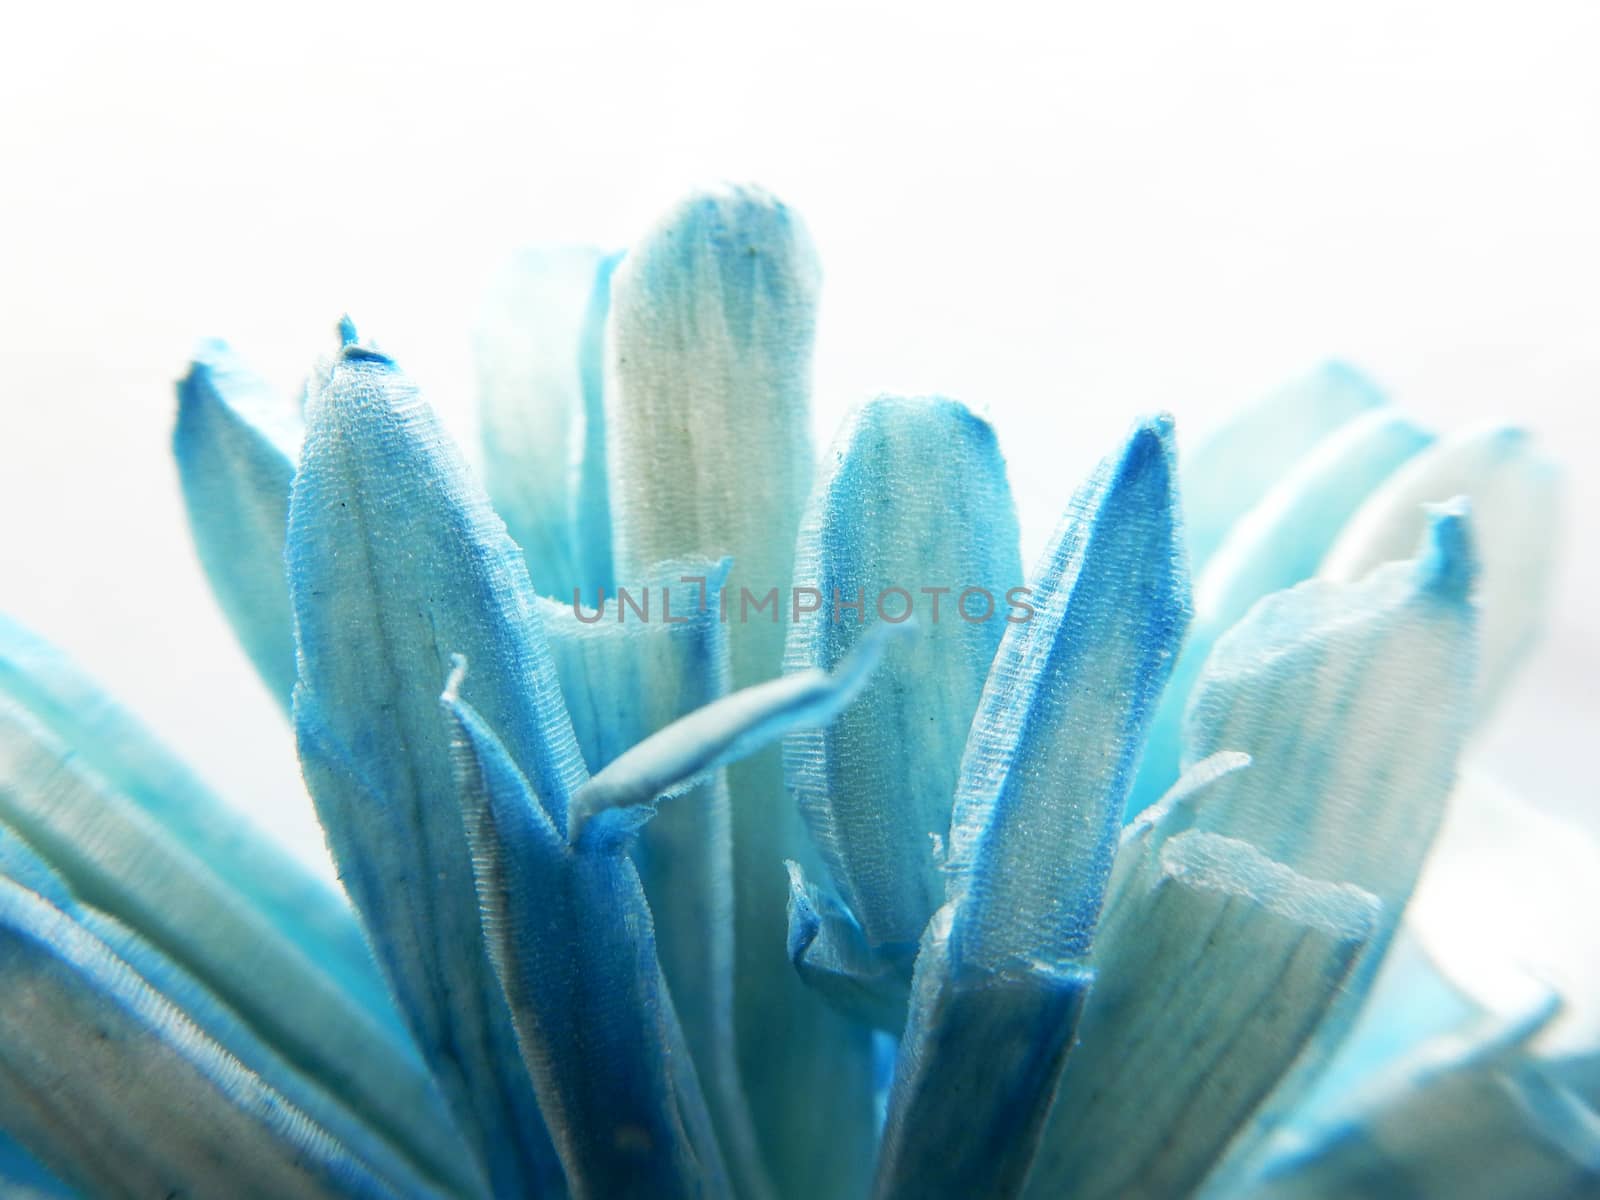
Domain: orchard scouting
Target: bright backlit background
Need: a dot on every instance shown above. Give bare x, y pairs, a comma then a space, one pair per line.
1062, 215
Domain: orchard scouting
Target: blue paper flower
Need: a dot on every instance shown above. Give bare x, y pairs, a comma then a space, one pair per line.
1066, 884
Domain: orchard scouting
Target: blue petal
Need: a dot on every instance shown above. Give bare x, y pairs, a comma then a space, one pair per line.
622, 682
1003, 972
539, 348
395, 563
1213, 968
120, 1091
672, 760
1515, 493
223, 1025
1277, 544
23, 1177
569, 934
107, 740
236, 444
913, 497
1353, 702
116, 857
1229, 473
1064, 713
1474, 1116
710, 345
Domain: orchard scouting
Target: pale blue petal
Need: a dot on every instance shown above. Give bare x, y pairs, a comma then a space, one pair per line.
1277, 544
157, 1107
1353, 701
709, 425
832, 954
622, 682
108, 740
1229, 472
236, 443
570, 936
116, 857
223, 1025
672, 760
1213, 967
913, 497
1472, 1116
1003, 970
396, 562
1515, 492
539, 346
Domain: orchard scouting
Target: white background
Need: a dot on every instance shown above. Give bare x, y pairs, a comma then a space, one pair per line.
1062, 215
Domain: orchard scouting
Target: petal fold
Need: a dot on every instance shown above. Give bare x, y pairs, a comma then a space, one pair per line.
570, 936
396, 562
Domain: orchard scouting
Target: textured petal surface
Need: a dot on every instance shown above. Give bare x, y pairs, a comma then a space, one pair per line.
539, 346
396, 563
236, 444
1515, 495
116, 857
148, 1103
622, 682
1064, 713
1353, 702
674, 759
111, 743
1230, 471
1277, 544
1003, 972
708, 406
1213, 967
222, 1024
570, 937
1471, 1116
913, 497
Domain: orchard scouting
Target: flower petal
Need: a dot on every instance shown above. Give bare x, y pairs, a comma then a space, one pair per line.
223, 1025
113, 854
1063, 716
675, 758
236, 444
914, 497
708, 398
569, 934
831, 953
1515, 495
149, 1104
108, 741
539, 348
396, 562
1002, 973
1275, 545
1470, 1116
622, 682
1228, 474
1213, 968
1353, 702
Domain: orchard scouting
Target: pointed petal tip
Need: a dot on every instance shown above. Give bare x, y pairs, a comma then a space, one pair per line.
347, 331
1448, 566
1151, 445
